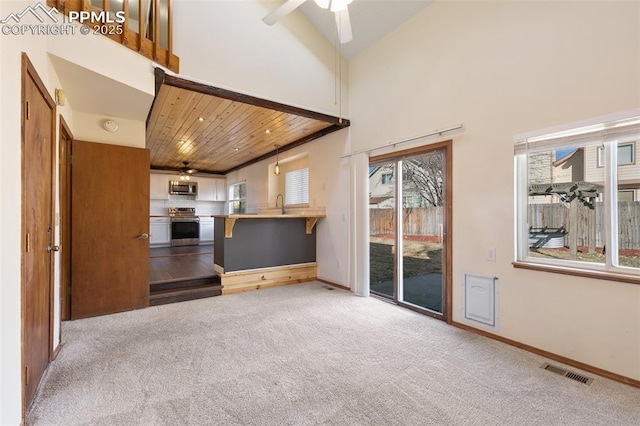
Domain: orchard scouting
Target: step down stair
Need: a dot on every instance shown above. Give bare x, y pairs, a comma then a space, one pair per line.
171, 291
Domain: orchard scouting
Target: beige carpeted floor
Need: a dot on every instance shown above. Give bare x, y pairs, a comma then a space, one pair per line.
307, 354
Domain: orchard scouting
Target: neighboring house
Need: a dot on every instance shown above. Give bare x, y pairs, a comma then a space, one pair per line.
381, 187
381, 190
628, 169
552, 167
381, 202
585, 164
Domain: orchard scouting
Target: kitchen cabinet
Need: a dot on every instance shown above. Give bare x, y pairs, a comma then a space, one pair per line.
221, 189
206, 230
159, 186
160, 231
206, 189
212, 189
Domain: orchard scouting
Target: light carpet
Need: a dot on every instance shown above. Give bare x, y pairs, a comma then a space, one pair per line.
307, 354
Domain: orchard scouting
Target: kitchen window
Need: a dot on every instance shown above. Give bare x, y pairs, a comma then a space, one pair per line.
570, 213
296, 187
238, 198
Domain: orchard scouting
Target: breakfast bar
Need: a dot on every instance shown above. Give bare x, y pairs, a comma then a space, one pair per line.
253, 251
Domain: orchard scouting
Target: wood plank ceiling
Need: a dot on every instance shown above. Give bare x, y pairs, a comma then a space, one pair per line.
218, 131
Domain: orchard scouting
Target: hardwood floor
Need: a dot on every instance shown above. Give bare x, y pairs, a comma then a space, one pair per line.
180, 263
177, 274
180, 251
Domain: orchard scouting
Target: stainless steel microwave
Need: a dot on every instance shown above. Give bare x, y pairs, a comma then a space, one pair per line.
179, 187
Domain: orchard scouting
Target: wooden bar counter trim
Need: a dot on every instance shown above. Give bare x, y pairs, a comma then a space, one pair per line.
230, 220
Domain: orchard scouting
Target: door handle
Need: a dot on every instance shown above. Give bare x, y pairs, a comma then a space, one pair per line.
52, 248
143, 236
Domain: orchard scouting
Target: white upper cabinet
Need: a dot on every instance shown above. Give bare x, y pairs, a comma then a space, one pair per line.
221, 190
212, 189
206, 189
159, 186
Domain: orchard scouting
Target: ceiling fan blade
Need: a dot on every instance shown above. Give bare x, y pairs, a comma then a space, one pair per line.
187, 169
343, 24
286, 8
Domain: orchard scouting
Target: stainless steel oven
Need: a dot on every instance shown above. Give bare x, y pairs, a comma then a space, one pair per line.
185, 226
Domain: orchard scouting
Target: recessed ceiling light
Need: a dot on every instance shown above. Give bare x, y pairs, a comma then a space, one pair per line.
200, 118
237, 149
268, 131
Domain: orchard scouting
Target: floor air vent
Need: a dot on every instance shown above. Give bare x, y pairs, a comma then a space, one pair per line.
569, 374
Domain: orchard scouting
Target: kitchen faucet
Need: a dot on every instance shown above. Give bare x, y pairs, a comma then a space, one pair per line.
281, 198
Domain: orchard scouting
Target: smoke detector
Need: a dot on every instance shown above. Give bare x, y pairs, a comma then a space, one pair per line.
110, 126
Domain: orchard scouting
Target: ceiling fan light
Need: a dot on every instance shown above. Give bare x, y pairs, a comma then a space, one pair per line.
338, 5
323, 3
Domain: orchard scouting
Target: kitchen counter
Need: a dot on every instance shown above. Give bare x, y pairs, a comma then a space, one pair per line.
230, 219
254, 251
269, 215
166, 215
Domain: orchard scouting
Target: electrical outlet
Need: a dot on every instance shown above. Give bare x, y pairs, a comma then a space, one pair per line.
491, 254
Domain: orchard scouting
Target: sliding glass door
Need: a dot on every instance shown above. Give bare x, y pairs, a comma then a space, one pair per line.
409, 195
382, 229
422, 231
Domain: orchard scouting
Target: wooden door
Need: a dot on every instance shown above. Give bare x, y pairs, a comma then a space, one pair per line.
110, 226
38, 145
64, 179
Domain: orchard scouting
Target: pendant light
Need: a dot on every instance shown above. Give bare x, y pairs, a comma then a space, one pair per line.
276, 170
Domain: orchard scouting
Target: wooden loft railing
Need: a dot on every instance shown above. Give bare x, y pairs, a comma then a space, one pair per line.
146, 28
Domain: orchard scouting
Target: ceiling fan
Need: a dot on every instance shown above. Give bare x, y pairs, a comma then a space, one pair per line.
338, 7
186, 171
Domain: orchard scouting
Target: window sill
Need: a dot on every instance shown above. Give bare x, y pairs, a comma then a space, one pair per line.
599, 275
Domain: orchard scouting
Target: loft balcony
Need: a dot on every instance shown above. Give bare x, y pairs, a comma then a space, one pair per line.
144, 26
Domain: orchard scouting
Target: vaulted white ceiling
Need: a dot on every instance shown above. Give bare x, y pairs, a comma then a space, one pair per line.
370, 20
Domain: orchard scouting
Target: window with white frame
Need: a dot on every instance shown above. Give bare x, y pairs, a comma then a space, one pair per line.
626, 195
238, 198
626, 154
570, 209
296, 187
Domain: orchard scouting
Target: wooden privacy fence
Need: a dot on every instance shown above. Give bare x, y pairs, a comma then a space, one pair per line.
416, 221
557, 215
427, 220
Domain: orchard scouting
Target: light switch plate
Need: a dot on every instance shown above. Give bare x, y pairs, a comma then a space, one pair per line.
491, 254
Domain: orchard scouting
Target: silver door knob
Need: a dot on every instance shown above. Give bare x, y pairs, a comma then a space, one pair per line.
52, 248
143, 236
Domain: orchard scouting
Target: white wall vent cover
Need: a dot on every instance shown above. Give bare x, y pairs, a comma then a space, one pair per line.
480, 299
